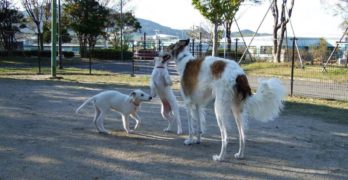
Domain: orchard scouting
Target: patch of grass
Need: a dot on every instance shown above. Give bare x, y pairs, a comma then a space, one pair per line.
332, 111
283, 70
328, 110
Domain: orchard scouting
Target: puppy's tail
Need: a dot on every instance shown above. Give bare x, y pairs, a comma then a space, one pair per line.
267, 103
83, 104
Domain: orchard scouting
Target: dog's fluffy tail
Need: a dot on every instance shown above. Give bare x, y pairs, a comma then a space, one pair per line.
267, 103
83, 104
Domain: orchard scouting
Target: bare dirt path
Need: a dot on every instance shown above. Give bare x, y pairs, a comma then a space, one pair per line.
42, 138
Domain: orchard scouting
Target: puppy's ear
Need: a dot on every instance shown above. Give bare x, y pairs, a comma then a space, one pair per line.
132, 94
166, 57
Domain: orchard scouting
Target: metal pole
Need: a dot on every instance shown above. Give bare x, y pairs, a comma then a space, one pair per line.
60, 37
200, 42
235, 53
292, 65
53, 38
133, 61
121, 31
193, 47
144, 40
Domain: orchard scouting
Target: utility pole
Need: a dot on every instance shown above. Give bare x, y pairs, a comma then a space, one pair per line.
121, 30
53, 38
60, 36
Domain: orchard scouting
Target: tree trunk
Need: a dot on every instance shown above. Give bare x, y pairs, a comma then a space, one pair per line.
277, 43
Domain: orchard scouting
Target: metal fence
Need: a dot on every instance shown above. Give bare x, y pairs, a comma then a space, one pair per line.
305, 77
310, 78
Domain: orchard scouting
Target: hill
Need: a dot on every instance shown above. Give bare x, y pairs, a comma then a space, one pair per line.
150, 27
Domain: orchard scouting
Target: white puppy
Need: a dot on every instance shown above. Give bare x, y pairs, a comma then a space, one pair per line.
126, 105
160, 85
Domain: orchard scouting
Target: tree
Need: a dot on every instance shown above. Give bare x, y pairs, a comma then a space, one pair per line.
230, 8
212, 10
37, 10
129, 23
88, 19
66, 37
320, 53
281, 19
10, 18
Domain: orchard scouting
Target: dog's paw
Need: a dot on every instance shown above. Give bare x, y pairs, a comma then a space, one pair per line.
217, 158
130, 132
104, 132
167, 130
179, 132
238, 155
188, 141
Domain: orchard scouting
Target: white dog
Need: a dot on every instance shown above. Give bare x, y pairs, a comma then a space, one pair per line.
160, 84
126, 105
208, 78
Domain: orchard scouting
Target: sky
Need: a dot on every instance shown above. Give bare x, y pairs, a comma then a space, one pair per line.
310, 18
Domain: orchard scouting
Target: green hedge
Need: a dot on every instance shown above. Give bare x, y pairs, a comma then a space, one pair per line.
111, 54
45, 53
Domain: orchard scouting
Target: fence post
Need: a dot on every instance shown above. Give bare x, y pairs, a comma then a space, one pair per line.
144, 40
292, 66
193, 47
200, 44
235, 53
133, 63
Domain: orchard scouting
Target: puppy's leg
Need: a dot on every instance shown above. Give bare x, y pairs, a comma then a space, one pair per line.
125, 124
135, 116
100, 123
165, 111
96, 117
239, 121
222, 110
167, 80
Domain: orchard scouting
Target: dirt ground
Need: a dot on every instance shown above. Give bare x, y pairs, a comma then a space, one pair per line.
42, 138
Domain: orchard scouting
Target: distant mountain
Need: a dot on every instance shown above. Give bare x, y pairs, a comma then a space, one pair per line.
247, 32
151, 27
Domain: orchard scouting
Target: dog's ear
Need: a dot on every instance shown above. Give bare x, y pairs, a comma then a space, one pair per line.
184, 42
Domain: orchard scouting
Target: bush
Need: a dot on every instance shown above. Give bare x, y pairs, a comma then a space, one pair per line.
111, 54
68, 54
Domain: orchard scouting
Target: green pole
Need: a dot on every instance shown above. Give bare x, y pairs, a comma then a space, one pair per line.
53, 38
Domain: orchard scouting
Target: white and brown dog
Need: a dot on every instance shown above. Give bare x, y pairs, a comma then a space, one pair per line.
208, 78
160, 84
126, 105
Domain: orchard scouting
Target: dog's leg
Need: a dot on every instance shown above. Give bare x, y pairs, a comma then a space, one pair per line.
239, 121
221, 110
176, 114
189, 141
125, 124
198, 129
135, 116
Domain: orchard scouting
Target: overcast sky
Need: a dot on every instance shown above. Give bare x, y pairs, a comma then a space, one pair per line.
310, 17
